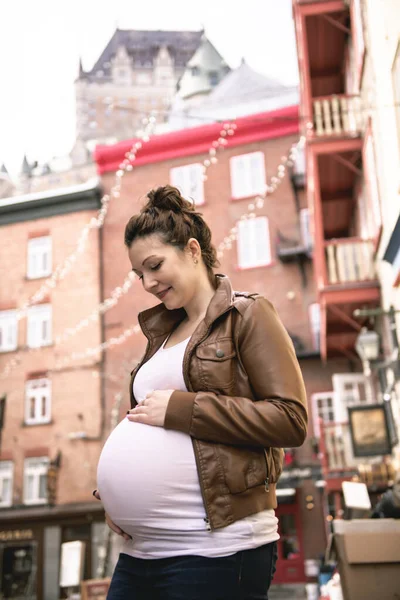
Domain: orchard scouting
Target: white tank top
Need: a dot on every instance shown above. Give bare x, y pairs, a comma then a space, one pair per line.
148, 482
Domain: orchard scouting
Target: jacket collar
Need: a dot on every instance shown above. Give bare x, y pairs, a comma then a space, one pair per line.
159, 321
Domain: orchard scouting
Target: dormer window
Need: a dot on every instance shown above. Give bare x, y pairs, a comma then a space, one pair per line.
213, 77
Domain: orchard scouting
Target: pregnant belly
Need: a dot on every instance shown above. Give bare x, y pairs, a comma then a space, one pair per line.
147, 475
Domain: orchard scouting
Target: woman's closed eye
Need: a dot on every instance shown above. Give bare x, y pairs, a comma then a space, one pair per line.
156, 267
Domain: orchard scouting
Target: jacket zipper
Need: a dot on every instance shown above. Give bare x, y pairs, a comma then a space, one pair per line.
186, 361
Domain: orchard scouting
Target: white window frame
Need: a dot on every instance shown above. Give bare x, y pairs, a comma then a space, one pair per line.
39, 390
39, 261
321, 409
36, 468
189, 179
253, 249
314, 315
8, 330
247, 173
39, 325
347, 389
305, 228
6, 474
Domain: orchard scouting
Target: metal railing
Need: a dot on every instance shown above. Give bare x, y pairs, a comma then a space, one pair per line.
337, 115
349, 260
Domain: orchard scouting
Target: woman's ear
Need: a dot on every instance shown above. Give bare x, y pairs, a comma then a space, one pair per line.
194, 249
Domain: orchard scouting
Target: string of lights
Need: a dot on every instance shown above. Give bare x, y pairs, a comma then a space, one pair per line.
227, 130
226, 244
97, 222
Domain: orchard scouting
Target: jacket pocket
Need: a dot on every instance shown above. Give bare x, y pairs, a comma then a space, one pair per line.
216, 364
243, 469
274, 461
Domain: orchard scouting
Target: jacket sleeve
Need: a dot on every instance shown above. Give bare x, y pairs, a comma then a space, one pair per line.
278, 417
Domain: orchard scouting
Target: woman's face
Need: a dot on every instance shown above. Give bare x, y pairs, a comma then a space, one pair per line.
165, 271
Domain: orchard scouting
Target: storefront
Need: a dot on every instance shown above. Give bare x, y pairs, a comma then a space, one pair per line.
30, 547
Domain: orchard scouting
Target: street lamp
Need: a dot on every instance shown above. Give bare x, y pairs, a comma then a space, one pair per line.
367, 345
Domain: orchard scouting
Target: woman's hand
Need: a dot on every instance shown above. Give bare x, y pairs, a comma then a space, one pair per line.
116, 529
152, 410
111, 523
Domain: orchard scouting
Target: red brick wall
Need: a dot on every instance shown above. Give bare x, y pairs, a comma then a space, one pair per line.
281, 283
75, 404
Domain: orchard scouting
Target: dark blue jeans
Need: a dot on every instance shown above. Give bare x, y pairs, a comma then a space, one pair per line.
245, 575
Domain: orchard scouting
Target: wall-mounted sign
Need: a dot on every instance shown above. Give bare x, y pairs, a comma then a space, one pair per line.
16, 534
369, 428
72, 563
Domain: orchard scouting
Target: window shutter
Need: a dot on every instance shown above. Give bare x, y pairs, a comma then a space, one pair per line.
39, 325
39, 257
8, 330
253, 243
189, 180
247, 174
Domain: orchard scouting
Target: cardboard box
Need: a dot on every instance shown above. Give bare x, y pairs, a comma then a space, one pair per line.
367, 552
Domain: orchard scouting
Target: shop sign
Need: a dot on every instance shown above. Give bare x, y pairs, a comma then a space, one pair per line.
95, 589
13, 535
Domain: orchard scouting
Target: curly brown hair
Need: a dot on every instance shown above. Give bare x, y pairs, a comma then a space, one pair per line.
168, 214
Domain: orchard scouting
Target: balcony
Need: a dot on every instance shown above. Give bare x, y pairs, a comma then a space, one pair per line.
339, 463
337, 115
349, 260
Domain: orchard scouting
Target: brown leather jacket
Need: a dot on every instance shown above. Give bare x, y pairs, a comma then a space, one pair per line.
245, 400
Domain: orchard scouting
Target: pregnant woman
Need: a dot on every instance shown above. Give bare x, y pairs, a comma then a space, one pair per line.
188, 478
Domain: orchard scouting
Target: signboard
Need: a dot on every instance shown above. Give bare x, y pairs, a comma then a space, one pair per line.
95, 589
72, 563
356, 495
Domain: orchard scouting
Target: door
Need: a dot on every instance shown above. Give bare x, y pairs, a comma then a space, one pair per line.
290, 564
18, 571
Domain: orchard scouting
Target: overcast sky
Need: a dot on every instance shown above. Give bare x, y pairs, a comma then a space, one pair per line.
41, 41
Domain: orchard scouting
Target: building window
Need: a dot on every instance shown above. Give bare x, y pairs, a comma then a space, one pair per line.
323, 408
35, 480
189, 180
143, 78
39, 257
6, 482
247, 174
195, 71
358, 39
213, 78
351, 389
253, 243
39, 325
396, 86
37, 401
8, 330
314, 314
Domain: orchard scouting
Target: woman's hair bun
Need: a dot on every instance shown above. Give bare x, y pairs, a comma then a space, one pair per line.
167, 198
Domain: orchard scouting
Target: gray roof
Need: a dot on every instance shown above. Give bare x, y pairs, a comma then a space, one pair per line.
143, 47
244, 83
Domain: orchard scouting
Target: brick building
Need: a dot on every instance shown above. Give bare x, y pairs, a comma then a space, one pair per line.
272, 255
347, 51
53, 420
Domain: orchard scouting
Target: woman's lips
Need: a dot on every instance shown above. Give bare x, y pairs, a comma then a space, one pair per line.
162, 295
